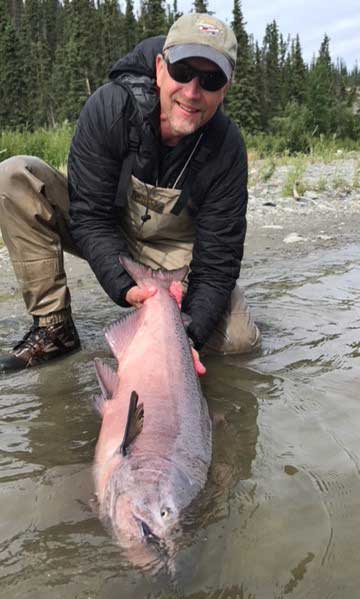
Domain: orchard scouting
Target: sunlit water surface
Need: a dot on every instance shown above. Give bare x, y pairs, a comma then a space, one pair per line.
280, 516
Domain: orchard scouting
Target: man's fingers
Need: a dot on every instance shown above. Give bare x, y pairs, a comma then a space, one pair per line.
199, 366
176, 291
136, 296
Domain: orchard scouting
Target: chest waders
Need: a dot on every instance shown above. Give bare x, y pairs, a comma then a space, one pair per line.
34, 217
160, 239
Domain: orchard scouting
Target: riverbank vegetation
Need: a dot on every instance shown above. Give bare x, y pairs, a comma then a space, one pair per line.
52, 145
54, 54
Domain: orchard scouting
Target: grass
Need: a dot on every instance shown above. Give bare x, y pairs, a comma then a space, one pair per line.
340, 183
295, 180
52, 145
323, 149
321, 185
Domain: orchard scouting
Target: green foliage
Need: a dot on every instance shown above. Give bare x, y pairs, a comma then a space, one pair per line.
294, 182
293, 127
200, 6
52, 145
153, 19
242, 100
55, 53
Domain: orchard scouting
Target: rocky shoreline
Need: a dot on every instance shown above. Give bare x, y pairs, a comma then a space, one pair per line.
321, 207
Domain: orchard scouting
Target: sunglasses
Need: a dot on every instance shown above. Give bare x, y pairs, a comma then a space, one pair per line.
182, 72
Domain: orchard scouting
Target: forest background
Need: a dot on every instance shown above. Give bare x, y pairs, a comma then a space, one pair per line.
54, 54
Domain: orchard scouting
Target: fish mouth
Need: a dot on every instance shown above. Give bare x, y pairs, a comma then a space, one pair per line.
148, 535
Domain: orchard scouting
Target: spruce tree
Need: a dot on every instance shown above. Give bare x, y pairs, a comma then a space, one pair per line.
11, 110
297, 88
112, 25
130, 33
320, 91
200, 6
36, 63
272, 74
152, 18
259, 78
241, 101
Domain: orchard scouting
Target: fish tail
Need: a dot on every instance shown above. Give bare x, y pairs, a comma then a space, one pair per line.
162, 277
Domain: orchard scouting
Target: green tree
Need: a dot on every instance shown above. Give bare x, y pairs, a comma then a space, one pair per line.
259, 78
241, 101
272, 73
35, 60
298, 73
112, 24
130, 33
200, 6
152, 18
11, 113
320, 91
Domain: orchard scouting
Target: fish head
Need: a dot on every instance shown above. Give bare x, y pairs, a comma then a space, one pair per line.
144, 517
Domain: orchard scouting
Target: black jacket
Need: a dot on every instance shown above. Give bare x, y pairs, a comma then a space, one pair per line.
218, 196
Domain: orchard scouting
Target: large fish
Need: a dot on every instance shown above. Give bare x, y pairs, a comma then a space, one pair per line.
154, 447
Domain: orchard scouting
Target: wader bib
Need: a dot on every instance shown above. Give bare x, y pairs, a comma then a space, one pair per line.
160, 239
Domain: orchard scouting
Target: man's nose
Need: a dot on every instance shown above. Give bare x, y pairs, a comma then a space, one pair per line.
192, 89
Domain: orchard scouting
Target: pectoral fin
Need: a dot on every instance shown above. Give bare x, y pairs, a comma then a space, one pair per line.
134, 424
108, 381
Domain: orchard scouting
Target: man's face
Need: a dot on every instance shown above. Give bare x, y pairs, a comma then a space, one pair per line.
184, 107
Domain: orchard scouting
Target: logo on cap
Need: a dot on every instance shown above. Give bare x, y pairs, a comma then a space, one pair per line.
207, 28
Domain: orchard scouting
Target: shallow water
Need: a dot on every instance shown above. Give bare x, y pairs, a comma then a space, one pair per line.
280, 516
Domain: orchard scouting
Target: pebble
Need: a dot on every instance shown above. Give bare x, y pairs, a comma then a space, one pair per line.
294, 238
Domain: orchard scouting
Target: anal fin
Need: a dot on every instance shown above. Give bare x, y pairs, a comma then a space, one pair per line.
134, 423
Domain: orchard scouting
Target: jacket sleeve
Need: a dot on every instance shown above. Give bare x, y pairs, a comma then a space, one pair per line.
219, 242
95, 159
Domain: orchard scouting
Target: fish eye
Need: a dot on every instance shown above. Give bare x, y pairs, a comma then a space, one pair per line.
164, 512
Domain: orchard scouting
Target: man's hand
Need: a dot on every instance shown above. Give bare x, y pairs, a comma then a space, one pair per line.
199, 366
137, 295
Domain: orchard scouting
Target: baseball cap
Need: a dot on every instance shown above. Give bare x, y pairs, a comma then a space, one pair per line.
200, 35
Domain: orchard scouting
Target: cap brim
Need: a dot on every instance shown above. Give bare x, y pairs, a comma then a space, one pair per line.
181, 52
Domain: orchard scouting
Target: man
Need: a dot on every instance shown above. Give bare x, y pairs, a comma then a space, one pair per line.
155, 171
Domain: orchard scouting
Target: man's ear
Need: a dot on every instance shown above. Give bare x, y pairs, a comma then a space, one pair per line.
159, 68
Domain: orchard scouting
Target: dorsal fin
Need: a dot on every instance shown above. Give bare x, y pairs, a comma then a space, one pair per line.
120, 334
108, 379
134, 423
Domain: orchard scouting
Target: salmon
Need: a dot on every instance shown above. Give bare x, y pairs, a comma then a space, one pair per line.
154, 448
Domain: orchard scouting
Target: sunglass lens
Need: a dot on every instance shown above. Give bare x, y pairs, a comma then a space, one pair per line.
212, 81
181, 72
209, 80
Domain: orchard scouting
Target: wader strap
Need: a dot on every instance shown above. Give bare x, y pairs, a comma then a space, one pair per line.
126, 169
134, 138
212, 142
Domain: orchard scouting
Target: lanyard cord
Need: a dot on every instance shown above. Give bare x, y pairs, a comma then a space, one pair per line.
147, 216
188, 160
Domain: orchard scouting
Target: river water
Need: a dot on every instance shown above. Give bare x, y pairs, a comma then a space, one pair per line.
280, 516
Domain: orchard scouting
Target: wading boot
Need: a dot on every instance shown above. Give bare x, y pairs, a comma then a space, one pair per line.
42, 344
